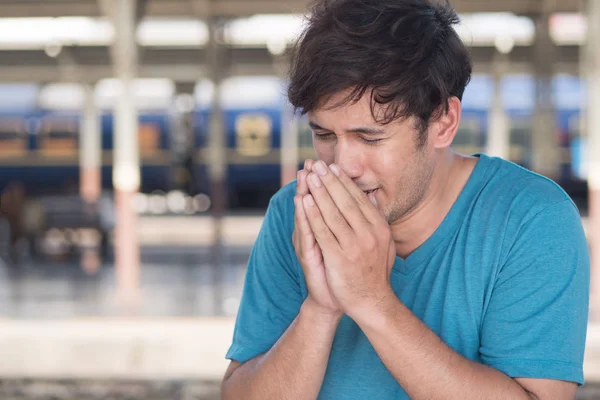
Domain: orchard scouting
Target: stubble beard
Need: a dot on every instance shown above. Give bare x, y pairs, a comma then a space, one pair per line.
411, 191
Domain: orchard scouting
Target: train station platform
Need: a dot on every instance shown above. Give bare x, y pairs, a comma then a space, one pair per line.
58, 323
159, 350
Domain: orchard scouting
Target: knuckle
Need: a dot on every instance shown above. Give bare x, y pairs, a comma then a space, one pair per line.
307, 237
322, 230
383, 233
353, 252
361, 199
348, 204
337, 217
370, 242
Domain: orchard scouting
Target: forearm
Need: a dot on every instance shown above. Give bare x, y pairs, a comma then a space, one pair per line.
293, 368
426, 367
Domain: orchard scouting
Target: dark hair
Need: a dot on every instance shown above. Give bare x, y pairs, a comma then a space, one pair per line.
405, 52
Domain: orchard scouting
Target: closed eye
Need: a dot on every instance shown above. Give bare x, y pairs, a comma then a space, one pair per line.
329, 136
324, 136
370, 142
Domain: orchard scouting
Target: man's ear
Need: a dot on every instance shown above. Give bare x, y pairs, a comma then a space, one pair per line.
444, 129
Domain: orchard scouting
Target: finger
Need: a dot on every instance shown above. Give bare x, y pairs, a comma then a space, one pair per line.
295, 241
366, 206
306, 237
329, 210
323, 235
308, 165
301, 186
343, 199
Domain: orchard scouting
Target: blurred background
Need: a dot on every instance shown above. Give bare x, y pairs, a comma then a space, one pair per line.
140, 143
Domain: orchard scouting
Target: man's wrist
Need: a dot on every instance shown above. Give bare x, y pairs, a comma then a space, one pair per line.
373, 315
319, 315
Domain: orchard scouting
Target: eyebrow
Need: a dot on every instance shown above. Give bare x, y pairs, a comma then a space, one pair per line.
361, 129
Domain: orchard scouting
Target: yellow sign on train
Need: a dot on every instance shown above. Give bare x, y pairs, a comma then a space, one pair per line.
149, 139
58, 137
253, 134
13, 138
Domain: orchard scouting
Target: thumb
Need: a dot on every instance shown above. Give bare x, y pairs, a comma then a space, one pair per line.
373, 201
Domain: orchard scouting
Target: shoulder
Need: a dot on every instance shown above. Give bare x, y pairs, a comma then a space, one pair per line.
281, 207
521, 210
519, 193
283, 200
285, 196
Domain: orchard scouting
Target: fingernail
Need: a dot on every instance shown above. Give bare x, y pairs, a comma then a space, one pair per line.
321, 168
315, 180
335, 169
309, 201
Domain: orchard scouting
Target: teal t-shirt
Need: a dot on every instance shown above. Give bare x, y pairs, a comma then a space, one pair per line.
504, 281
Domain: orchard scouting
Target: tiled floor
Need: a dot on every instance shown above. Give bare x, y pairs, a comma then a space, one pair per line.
69, 390
175, 281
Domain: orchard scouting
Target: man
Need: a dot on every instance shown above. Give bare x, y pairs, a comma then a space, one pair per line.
395, 268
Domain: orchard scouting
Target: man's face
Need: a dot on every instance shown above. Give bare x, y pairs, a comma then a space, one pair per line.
384, 158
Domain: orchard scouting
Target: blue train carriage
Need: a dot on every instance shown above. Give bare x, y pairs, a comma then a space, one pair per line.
18, 124
518, 98
153, 100
252, 117
519, 103
40, 140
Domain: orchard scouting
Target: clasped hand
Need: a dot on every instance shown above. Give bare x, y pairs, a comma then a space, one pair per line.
342, 240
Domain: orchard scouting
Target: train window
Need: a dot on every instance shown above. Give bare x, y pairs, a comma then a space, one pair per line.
304, 133
58, 137
149, 139
575, 122
520, 141
305, 140
253, 134
467, 136
13, 137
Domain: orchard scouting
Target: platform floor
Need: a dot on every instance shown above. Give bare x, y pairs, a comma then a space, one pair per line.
64, 331
178, 390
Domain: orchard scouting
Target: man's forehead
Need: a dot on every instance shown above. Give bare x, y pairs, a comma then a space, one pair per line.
343, 105
351, 117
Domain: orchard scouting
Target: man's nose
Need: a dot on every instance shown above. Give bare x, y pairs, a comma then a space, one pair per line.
349, 158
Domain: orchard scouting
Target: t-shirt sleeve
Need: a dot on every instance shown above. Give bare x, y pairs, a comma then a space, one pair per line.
536, 321
272, 293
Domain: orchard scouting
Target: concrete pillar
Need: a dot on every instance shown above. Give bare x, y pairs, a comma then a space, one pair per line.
593, 155
90, 162
498, 124
90, 149
289, 126
546, 152
182, 140
289, 144
217, 158
126, 167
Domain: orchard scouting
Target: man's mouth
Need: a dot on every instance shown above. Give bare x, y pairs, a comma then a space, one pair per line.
368, 192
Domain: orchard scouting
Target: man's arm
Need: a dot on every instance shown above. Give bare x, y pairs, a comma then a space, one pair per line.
534, 325
293, 368
428, 369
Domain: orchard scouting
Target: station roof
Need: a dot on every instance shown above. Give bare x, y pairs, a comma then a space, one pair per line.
90, 64
70, 40
203, 8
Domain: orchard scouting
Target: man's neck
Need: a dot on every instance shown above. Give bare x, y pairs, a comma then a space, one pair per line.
448, 181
